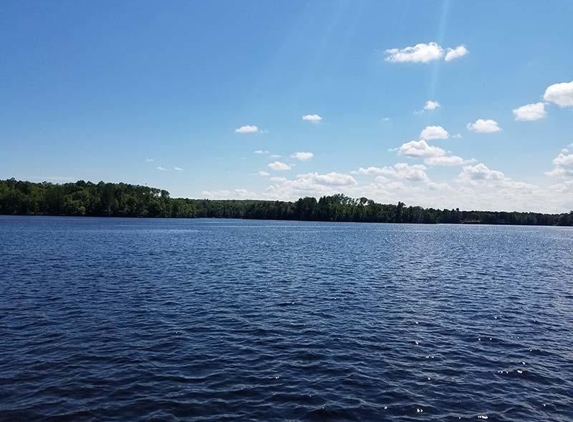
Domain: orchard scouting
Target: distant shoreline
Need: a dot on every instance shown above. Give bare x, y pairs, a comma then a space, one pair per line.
103, 217
124, 200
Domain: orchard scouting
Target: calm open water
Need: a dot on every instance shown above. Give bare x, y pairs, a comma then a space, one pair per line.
216, 320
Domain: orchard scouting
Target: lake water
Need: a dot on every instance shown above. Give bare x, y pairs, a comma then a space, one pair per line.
220, 320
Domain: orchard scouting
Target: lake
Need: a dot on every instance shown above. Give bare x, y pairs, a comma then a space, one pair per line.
220, 320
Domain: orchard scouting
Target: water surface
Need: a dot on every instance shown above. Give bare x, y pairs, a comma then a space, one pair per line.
215, 320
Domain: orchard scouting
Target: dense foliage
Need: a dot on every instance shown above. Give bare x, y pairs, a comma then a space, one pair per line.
124, 200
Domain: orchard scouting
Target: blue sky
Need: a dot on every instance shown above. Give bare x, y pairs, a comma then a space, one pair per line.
157, 93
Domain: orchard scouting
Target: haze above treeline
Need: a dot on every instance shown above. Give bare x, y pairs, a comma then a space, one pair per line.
125, 200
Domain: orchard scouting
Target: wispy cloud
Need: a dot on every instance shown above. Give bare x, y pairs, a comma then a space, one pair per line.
279, 166
177, 169
424, 53
303, 156
161, 168
247, 129
149, 160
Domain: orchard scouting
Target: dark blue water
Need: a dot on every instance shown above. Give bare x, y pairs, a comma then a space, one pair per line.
215, 320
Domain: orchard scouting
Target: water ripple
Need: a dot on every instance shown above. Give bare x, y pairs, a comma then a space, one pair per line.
171, 320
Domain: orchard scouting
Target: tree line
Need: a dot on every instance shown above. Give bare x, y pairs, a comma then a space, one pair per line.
125, 200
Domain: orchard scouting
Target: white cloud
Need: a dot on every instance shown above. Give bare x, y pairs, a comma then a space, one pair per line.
480, 172
302, 156
424, 53
478, 187
279, 166
275, 156
216, 194
457, 136
454, 53
530, 112
564, 160
386, 119
330, 179
149, 160
563, 165
431, 105
177, 169
433, 156
161, 168
484, 126
260, 151
434, 132
560, 94
369, 171
247, 129
420, 149
413, 173
451, 160
263, 173
420, 53
315, 118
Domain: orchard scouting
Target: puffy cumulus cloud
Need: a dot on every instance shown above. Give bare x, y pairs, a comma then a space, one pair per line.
560, 94
417, 149
420, 53
530, 112
480, 172
563, 165
424, 53
302, 156
434, 132
564, 160
247, 129
369, 171
260, 151
177, 169
263, 173
314, 118
413, 173
279, 166
484, 126
431, 105
329, 179
455, 53
477, 187
451, 160
433, 156
309, 184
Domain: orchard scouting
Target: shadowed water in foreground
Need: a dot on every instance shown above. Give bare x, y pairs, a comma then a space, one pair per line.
214, 320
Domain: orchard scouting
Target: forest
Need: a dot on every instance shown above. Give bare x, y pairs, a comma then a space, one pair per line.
125, 200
